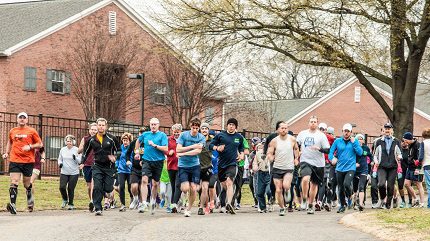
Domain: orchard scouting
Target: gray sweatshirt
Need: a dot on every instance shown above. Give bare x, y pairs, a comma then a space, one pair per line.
70, 166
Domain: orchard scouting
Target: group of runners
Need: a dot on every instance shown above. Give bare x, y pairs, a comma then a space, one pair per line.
313, 171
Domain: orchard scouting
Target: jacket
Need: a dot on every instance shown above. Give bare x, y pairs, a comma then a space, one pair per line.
109, 146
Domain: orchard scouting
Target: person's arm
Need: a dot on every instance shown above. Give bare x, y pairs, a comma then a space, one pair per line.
331, 156
271, 151
241, 149
421, 154
377, 155
76, 157
81, 146
8, 147
87, 149
191, 152
357, 148
215, 142
60, 159
296, 152
130, 150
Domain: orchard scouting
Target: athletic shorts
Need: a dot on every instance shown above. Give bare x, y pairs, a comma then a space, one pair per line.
135, 176
414, 178
189, 174
205, 174
116, 181
213, 180
316, 173
36, 171
279, 173
152, 169
229, 171
88, 173
25, 168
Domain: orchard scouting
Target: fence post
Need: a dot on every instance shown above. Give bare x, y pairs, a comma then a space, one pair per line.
365, 139
244, 133
40, 130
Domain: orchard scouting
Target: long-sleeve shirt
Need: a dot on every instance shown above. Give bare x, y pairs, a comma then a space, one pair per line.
109, 145
388, 159
121, 162
347, 152
70, 165
172, 161
233, 143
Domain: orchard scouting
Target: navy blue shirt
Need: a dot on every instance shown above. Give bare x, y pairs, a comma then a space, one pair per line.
233, 144
363, 161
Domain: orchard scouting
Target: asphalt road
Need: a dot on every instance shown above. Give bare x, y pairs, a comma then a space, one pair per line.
130, 225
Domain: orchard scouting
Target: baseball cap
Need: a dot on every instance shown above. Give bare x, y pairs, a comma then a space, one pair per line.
322, 125
330, 130
347, 126
388, 125
408, 136
23, 114
255, 140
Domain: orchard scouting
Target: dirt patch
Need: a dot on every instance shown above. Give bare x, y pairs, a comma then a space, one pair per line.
368, 223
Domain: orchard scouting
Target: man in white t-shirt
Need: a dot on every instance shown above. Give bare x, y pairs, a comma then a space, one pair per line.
313, 143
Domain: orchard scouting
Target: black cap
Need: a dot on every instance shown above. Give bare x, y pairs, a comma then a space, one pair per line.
408, 136
388, 125
232, 121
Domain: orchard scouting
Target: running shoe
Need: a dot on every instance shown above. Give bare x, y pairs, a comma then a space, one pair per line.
113, 204
303, 205
334, 204
91, 206
230, 209
168, 210
153, 205
402, 205
162, 203
383, 205
282, 212
237, 206
375, 205
290, 209
421, 205
135, 203
201, 212
174, 208
318, 206
361, 208
11, 208
64, 204
142, 208
311, 209
99, 213
122, 208
187, 213
341, 209
71, 207
416, 204
223, 210
327, 207
271, 208
106, 206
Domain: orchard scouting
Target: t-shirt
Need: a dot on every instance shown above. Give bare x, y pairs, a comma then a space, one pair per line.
159, 139
233, 144
306, 140
245, 146
20, 137
186, 139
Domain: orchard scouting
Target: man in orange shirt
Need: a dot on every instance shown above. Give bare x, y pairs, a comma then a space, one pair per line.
20, 150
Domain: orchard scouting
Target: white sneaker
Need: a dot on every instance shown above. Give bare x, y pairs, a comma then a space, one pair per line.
303, 206
134, 203
187, 213
223, 210
142, 207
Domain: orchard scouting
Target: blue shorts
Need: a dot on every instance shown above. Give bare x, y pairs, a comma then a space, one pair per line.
414, 178
189, 174
88, 173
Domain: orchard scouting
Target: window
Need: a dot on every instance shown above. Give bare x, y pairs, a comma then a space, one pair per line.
53, 145
210, 115
30, 78
158, 93
112, 22
57, 81
357, 94
185, 97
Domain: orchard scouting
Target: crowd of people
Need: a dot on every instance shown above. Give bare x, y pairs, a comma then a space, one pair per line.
312, 171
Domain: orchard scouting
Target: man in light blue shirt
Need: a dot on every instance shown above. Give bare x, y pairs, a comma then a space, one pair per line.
189, 146
154, 146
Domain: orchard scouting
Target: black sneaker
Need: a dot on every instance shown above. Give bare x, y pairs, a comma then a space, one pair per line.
201, 212
174, 210
230, 209
91, 207
99, 213
341, 209
11, 208
361, 208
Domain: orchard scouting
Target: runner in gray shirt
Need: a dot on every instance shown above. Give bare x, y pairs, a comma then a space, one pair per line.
283, 152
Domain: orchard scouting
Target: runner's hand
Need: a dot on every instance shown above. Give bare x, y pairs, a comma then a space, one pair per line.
352, 139
5, 156
112, 158
26, 148
128, 163
171, 152
81, 166
220, 148
151, 143
137, 156
296, 162
334, 161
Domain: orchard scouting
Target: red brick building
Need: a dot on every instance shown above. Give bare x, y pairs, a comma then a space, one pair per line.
348, 103
34, 34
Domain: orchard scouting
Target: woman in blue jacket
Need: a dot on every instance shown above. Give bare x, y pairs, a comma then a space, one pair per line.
124, 169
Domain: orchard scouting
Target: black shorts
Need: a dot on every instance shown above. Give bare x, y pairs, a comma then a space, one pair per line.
135, 176
25, 168
229, 171
410, 175
205, 174
213, 180
189, 174
152, 169
88, 173
116, 182
316, 173
279, 173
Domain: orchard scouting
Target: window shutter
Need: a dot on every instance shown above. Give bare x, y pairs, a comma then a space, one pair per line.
112, 22
67, 83
152, 93
168, 95
27, 84
49, 78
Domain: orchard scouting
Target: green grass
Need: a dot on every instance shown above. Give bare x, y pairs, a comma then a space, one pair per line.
47, 195
414, 219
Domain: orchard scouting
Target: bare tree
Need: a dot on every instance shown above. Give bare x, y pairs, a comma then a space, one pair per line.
190, 92
99, 62
358, 36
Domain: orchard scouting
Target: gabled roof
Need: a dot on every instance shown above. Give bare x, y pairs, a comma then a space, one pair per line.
384, 89
22, 24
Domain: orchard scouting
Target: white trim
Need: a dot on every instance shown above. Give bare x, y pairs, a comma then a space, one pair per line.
322, 100
334, 92
56, 27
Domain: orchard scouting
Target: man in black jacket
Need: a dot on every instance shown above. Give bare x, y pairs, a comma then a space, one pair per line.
104, 146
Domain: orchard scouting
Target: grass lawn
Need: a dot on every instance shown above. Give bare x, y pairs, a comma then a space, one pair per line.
47, 195
416, 220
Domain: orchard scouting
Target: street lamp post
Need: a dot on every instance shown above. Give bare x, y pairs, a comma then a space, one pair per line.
142, 103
